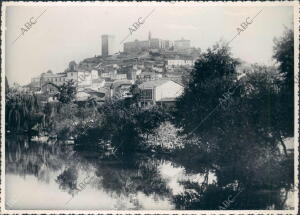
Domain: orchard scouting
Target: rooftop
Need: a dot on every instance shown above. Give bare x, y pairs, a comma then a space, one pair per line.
155, 83
51, 75
118, 83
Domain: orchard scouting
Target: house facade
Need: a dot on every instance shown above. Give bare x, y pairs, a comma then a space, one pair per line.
179, 62
55, 78
159, 92
121, 89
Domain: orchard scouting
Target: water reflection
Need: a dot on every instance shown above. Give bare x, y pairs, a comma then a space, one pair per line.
57, 178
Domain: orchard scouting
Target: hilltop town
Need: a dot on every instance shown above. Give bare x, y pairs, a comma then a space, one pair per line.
149, 64
198, 115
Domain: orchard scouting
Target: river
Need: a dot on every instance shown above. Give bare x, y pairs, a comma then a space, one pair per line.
55, 176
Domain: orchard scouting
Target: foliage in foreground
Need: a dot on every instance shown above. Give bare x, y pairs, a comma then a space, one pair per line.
22, 112
237, 121
123, 125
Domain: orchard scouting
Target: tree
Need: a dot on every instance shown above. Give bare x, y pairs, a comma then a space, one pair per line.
212, 77
22, 112
66, 92
123, 125
284, 55
234, 119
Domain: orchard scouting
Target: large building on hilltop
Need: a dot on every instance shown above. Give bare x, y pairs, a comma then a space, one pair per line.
182, 44
146, 45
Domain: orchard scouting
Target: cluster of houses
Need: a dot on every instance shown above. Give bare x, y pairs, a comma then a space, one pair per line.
91, 84
158, 74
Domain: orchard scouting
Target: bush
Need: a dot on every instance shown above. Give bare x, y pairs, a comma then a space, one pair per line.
165, 138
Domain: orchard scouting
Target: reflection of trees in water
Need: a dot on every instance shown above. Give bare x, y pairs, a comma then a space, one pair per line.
67, 180
71, 179
33, 158
214, 197
120, 178
130, 176
262, 172
27, 158
39, 159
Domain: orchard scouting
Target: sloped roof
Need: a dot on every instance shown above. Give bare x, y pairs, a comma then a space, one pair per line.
87, 93
54, 75
155, 83
122, 82
82, 96
94, 92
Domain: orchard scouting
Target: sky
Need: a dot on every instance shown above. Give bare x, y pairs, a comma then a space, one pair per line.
65, 33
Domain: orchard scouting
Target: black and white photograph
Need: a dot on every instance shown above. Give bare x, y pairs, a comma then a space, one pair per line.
149, 107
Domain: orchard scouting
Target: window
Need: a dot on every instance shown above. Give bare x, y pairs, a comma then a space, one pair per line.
147, 94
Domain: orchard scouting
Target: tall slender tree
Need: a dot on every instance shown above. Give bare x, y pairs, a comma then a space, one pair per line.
284, 55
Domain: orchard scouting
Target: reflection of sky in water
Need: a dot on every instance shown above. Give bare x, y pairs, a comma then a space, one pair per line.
174, 175
28, 192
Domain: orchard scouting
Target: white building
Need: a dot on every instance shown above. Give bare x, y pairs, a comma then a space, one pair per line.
84, 79
94, 74
97, 84
54, 78
179, 62
161, 92
149, 76
113, 75
72, 75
